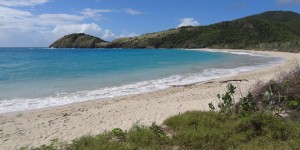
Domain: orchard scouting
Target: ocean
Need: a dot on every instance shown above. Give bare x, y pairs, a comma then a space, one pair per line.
32, 78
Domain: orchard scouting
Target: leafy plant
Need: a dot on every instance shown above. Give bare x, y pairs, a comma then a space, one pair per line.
276, 98
248, 104
118, 133
157, 130
227, 101
211, 106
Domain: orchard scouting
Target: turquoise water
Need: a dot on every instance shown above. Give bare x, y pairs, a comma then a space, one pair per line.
40, 77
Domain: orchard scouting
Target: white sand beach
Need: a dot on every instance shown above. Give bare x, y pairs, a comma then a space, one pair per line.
37, 127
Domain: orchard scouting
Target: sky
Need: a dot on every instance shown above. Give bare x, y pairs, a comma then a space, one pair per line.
38, 23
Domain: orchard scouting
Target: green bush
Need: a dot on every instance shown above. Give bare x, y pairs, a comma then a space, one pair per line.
229, 105
280, 95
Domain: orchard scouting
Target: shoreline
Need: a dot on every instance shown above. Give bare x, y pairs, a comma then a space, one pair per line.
142, 86
67, 122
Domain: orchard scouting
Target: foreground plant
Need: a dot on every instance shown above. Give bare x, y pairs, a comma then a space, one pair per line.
271, 97
281, 95
229, 105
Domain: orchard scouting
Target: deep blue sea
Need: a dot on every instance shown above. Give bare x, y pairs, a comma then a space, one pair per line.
33, 78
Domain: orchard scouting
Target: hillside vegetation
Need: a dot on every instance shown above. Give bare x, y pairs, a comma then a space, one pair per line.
79, 40
273, 30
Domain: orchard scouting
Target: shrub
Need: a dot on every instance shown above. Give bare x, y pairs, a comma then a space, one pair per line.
280, 95
276, 96
119, 134
229, 105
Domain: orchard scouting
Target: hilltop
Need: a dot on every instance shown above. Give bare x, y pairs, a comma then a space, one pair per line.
277, 30
79, 40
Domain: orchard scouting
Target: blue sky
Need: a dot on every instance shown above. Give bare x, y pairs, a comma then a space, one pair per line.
37, 23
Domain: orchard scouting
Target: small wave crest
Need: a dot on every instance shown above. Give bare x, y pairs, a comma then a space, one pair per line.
247, 53
238, 52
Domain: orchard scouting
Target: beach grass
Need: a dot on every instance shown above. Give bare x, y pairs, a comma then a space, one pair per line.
210, 130
196, 130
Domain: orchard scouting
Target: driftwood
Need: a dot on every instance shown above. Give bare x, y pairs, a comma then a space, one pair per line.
208, 82
234, 80
187, 85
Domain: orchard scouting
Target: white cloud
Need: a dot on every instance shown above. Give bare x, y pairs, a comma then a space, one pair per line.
58, 19
16, 3
288, 2
88, 12
93, 13
188, 22
13, 18
92, 29
13, 12
77, 28
40, 38
128, 35
132, 11
26, 38
22, 28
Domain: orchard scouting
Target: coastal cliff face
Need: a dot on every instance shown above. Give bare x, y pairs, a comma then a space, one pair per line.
79, 40
277, 30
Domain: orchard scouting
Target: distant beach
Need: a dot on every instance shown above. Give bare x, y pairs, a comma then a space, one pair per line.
36, 127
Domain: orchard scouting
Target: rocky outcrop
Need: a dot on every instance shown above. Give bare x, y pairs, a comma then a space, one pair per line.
79, 40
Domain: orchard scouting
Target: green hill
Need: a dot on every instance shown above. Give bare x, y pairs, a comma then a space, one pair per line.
273, 30
269, 30
287, 18
79, 40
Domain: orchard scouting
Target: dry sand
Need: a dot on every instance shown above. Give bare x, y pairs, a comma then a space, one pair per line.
37, 127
